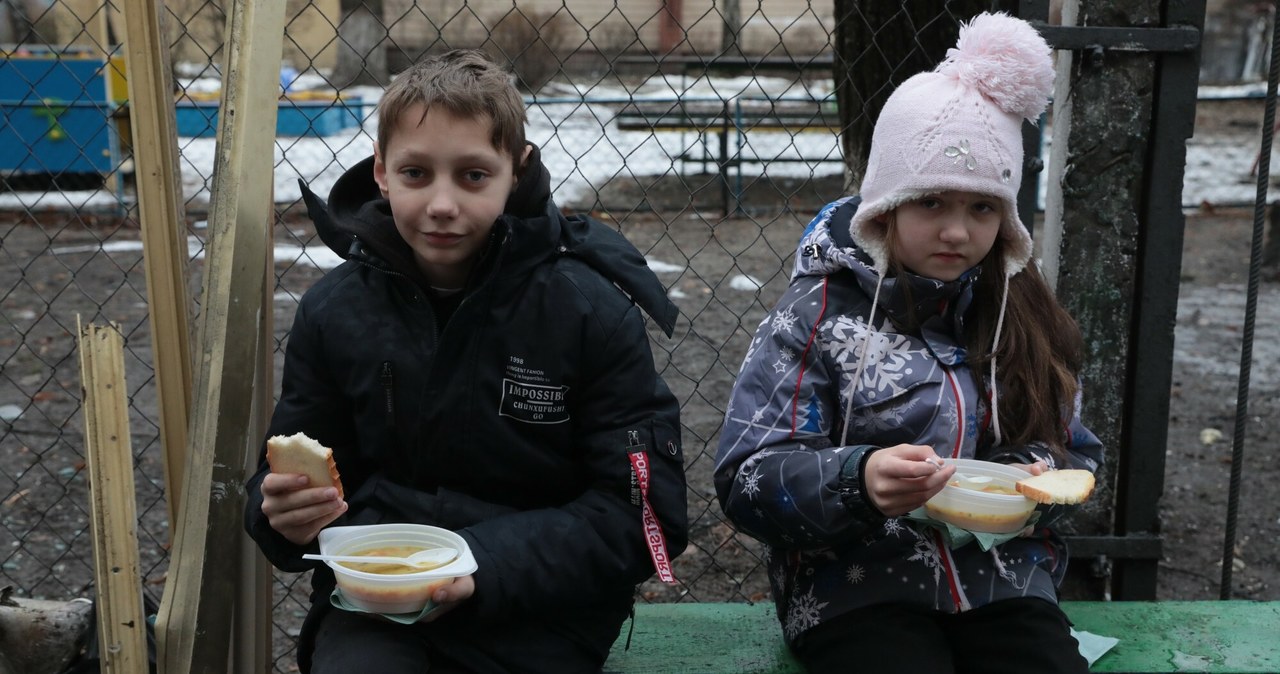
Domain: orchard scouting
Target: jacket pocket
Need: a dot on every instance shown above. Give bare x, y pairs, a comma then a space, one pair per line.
666, 443
896, 413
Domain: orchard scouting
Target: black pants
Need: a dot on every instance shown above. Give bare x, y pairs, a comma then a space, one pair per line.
339, 642
348, 643
1014, 636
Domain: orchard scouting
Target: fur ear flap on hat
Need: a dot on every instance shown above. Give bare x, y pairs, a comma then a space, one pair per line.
959, 128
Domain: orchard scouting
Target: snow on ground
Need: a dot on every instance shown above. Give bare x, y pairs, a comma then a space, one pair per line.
583, 149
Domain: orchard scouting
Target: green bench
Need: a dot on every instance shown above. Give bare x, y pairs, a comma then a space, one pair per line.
1170, 636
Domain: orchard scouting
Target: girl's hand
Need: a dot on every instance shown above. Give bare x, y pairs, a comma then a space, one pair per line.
449, 596
1033, 468
296, 511
901, 478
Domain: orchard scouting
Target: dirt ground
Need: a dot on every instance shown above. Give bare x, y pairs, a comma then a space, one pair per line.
55, 265
1211, 310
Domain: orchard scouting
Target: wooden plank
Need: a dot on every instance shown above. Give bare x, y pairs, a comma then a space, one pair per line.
253, 609
113, 512
164, 241
195, 624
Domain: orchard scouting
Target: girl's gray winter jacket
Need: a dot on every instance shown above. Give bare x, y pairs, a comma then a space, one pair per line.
783, 476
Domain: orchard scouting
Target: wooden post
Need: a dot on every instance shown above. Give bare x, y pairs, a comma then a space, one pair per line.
253, 612
164, 240
195, 623
113, 520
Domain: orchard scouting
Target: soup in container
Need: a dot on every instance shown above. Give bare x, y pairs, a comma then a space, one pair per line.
392, 588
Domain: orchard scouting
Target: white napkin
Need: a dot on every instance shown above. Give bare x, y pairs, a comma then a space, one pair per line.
1093, 646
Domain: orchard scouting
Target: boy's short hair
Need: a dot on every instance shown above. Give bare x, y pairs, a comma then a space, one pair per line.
465, 82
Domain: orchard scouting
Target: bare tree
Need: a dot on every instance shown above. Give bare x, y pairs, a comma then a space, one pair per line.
732, 16
362, 39
19, 19
878, 45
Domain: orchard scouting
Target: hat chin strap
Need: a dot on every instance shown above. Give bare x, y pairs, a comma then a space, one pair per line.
862, 361
995, 388
866, 348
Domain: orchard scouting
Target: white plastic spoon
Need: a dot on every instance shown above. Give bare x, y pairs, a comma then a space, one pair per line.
421, 558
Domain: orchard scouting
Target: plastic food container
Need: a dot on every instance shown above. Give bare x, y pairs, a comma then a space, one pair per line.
399, 592
982, 511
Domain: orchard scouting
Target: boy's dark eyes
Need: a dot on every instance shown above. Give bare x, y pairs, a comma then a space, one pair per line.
471, 176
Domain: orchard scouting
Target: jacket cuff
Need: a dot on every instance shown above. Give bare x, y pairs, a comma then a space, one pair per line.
1024, 454
853, 486
278, 550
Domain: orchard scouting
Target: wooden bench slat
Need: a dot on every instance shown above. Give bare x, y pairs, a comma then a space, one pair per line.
1184, 636
703, 638
1155, 637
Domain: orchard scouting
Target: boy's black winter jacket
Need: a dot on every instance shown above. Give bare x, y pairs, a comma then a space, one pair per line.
511, 424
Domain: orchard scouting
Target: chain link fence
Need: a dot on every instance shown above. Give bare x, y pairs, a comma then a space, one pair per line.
707, 131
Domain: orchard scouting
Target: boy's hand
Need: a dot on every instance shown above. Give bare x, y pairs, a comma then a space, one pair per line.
296, 511
901, 478
449, 596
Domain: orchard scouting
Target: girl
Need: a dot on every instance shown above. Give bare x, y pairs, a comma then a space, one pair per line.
916, 328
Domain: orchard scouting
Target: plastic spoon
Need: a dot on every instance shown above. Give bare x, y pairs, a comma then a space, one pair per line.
421, 558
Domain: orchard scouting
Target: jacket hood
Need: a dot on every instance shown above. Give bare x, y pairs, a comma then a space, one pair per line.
356, 222
937, 308
827, 247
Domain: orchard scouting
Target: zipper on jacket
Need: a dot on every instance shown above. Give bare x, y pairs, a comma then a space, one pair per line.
954, 588
960, 412
388, 393
948, 563
416, 297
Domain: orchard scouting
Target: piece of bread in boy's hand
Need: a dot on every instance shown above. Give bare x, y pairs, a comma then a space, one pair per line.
1059, 487
299, 453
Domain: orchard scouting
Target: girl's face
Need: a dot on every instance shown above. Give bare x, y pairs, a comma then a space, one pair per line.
941, 236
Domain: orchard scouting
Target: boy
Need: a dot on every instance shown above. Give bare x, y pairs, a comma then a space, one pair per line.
478, 363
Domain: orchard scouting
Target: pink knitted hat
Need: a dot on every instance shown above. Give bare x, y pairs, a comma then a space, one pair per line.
960, 128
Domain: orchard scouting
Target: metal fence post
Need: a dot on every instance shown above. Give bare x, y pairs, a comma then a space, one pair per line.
1125, 98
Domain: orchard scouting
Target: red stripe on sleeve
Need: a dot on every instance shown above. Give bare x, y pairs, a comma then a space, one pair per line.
813, 334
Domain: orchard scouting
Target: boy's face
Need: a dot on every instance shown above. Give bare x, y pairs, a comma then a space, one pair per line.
447, 184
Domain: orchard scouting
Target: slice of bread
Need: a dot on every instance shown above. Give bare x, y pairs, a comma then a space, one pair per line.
300, 454
1065, 487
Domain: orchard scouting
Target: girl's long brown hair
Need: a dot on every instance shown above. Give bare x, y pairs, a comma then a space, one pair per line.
1039, 355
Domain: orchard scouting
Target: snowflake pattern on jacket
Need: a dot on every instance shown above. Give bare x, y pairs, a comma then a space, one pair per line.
784, 476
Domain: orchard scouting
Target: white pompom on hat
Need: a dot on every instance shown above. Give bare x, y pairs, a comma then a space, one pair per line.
959, 127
